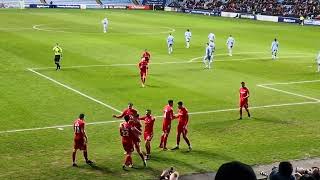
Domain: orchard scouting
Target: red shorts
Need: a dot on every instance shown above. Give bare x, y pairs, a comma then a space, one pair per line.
182, 128
244, 103
166, 127
128, 146
143, 73
136, 139
79, 144
148, 136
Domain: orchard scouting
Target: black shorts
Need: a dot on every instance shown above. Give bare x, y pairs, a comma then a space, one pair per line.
57, 58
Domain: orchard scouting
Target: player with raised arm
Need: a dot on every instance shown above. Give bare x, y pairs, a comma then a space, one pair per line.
318, 61
80, 140
143, 66
135, 122
166, 124
130, 111
211, 37
208, 57
148, 131
105, 24
126, 131
57, 55
230, 44
187, 36
182, 128
244, 96
170, 41
274, 48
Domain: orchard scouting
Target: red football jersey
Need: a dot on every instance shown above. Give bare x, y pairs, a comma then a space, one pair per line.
168, 113
148, 123
244, 91
146, 54
143, 65
183, 116
128, 112
126, 131
136, 123
78, 127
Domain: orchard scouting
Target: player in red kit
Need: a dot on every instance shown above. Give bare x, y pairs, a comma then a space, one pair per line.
146, 55
182, 128
244, 96
80, 140
135, 122
166, 125
148, 131
143, 66
126, 134
130, 111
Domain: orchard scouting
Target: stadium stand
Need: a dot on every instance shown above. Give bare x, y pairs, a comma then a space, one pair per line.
292, 8
71, 2
116, 2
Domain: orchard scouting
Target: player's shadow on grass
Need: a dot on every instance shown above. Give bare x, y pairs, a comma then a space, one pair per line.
101, 169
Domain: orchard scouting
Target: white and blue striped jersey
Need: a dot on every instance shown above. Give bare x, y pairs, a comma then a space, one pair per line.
230, 42
105, 21
187, 35
275, 46
170, 40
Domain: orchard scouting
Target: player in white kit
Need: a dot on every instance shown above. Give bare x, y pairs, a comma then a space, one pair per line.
105, 23
230, 44
274, 48
187, 36
170, 41
207, 60
318, 62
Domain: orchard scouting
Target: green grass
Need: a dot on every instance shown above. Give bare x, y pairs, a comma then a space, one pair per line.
30, 101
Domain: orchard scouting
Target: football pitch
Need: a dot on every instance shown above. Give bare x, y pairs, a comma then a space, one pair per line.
99, 76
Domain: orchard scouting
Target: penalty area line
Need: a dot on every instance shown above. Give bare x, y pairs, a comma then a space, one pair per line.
191, 113
74, 90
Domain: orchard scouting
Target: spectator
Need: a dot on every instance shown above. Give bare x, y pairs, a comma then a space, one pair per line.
283, 172
235, 171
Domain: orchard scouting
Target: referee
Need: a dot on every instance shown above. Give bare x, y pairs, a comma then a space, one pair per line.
57, 55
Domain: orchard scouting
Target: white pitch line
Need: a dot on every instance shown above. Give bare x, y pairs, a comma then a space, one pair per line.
76, 91
163, 63
191, 113
49, 29
293, 82
291, 93
257, 52
54, 127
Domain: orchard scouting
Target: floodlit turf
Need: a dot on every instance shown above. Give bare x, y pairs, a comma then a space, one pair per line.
28, 100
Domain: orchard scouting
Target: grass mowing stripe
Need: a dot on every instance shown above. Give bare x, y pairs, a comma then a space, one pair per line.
191, 113
162, 63
76, 91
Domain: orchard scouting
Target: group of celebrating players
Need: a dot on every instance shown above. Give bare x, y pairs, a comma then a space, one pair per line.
131, 130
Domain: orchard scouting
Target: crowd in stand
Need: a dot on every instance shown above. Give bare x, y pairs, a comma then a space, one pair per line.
236, 170
294, 8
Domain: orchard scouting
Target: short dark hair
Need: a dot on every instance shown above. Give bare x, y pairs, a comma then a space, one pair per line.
180, 103
130, 104
285, 168
170, 101
235, 170
127, 118
81, 116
